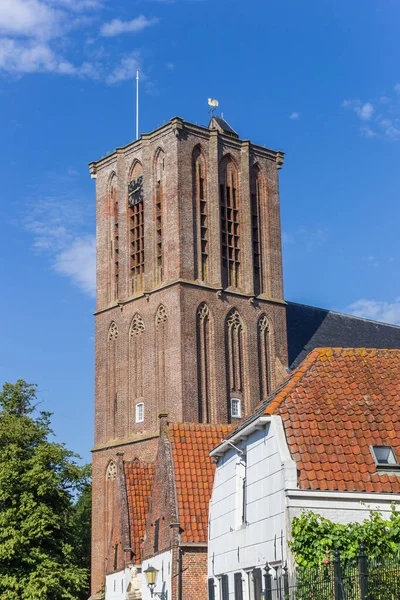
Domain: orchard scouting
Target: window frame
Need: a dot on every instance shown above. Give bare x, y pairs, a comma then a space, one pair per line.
137, 411
381, 465
239, 405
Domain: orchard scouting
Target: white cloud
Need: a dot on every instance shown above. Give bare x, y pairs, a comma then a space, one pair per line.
58, 225
170, 66
78, 262
365, 111
294, 116
116, 26
377, 310
383, 122
32, 18
126, 69
397, 88
35, 37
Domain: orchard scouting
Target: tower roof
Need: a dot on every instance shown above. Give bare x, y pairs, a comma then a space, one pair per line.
222, 126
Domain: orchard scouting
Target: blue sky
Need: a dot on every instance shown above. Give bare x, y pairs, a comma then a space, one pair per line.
317, 79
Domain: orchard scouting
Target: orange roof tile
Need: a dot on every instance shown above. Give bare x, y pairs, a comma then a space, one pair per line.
139, 477
334, 406
191, 445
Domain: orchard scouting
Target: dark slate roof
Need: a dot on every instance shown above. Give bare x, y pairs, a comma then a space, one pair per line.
309, 327
223, 125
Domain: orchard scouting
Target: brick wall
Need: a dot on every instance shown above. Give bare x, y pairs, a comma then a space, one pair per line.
176, 392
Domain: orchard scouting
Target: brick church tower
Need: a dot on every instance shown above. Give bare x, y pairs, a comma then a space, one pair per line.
190, 316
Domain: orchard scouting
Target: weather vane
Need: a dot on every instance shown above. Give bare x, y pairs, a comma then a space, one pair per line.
213, 105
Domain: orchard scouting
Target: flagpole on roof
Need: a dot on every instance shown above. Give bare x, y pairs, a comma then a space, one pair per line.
137, 104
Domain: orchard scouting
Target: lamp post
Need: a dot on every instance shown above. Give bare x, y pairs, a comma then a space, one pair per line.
151, 578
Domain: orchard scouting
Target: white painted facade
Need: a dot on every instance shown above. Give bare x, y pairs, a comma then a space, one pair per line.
163, 563
272, 500
117, 584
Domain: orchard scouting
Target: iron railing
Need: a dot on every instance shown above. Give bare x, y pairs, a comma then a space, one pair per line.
360, 579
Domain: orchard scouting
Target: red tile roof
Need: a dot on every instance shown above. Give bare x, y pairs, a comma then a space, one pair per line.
139, 477
194, 474
334, 406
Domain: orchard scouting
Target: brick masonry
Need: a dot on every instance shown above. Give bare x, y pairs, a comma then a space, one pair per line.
167, 359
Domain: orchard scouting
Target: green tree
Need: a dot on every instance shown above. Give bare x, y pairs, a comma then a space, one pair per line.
314, 538
82, 527
39, 480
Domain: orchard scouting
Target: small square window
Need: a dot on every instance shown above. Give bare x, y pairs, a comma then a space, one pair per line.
235, 408
139, 412
384, 455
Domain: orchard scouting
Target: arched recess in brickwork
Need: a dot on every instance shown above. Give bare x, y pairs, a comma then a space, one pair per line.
230, 222
205, 373
200, 211
135, 212
136, 350
266, 356
109, 496
236, 353
257, 195
112, 380
159, 186
161, 337
113, 271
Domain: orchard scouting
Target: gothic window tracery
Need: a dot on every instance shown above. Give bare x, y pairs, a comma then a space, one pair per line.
230, 223
136, 351
136, 228
204, 373
264, 354
114, 235
161, 351
111, 472
235, 350
256, 192
159, 214
112, 377
201, 215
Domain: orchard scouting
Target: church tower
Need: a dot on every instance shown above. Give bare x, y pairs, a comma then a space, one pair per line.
190, 316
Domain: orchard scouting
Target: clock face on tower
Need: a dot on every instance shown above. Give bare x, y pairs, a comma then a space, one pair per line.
135, 191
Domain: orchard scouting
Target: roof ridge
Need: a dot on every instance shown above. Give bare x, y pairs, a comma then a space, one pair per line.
292, 381
344, 314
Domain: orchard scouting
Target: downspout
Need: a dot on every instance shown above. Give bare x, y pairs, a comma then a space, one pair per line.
180, 573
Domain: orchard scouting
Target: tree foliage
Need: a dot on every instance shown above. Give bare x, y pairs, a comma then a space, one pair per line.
39, 480
314, 537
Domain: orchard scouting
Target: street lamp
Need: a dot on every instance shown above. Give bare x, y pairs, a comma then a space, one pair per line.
151, 577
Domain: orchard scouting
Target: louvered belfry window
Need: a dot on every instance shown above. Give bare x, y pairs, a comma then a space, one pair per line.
159, 217
230, 224
136, 227
256, 198
201, 216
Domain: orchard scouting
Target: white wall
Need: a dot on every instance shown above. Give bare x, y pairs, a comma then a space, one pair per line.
233, 548
116, 585
339, 507
162, 562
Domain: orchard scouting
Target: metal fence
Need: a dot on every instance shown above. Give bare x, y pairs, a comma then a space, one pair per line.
360, 579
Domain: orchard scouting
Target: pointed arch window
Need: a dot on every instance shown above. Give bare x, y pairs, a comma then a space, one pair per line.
136, 227
204, 374
234, 332
136, 349
110, 479
159, 215
264, 356
112, 381
201, 215
230, 223
114, 236
161, 351
256, 189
